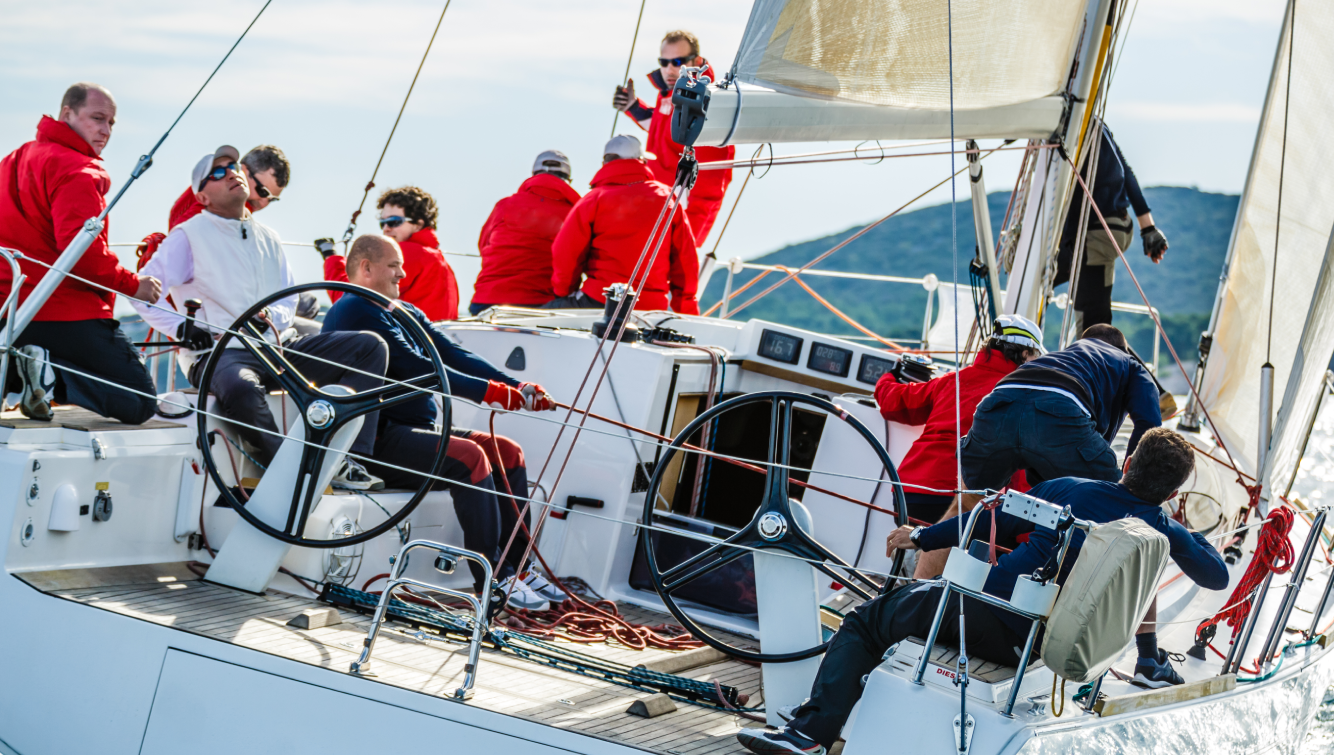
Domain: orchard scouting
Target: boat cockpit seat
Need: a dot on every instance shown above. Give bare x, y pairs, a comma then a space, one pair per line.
988, 682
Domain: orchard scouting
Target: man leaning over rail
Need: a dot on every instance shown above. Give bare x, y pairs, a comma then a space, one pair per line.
1161, 463
48, 188
229, 261
407, 434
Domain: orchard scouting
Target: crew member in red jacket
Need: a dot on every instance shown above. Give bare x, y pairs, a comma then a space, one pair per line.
408, 215
48, 188
267, 170
516, 239
932, 461
607, 231
679, 49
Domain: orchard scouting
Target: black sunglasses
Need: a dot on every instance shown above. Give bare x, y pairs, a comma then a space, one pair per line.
393, 221
678, 62
263, 191
217, 174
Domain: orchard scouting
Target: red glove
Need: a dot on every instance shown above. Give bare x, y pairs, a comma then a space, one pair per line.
501, 396
536, 398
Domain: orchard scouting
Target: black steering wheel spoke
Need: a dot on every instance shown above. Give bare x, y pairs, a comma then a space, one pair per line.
323, 414
773, 527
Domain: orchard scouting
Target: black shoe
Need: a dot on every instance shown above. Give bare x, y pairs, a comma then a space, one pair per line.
1157, 673
783, 740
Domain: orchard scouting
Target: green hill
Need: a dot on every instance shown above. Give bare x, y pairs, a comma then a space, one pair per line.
1198, 225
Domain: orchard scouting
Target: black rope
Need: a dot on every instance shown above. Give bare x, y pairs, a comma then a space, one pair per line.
1282, 162
352, 224
146, 161
625, 80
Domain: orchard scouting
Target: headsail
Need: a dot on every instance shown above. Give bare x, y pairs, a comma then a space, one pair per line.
1240, 324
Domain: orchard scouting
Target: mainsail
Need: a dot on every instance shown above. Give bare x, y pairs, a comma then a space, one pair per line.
1243, 335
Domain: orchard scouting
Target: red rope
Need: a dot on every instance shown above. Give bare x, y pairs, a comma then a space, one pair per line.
1273, 555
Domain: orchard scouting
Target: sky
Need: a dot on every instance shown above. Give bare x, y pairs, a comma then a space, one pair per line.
506, 79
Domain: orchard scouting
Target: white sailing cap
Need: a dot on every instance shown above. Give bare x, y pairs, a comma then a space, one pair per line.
627, 147
553, 161
205, 164
1019, 330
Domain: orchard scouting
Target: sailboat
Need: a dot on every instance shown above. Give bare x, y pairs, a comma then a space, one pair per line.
723, 476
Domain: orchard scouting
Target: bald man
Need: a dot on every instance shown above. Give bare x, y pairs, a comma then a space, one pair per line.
408, 436
48, 188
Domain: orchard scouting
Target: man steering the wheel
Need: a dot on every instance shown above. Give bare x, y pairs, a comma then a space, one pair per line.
408, 436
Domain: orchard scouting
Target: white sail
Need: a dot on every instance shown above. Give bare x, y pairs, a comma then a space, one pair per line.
1241, 326
820, 70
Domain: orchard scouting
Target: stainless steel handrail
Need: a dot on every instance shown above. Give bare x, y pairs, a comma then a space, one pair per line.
10, 306
480, 607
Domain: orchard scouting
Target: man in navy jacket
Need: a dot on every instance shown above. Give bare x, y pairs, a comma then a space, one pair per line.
1056, 415
1163, 461
407, 435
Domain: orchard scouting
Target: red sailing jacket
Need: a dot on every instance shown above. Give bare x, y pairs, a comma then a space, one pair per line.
516, 243
931, 460
608, 229
430, 284
48, 188
184, 208
707, 196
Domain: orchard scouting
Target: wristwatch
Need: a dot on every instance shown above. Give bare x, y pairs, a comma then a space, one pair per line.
915, 535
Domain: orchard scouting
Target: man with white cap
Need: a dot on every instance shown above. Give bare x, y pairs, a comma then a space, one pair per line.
607, 232
516, 240
227, 260
1056, 416
267, 172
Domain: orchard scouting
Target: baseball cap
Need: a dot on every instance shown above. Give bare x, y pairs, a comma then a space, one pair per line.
553, 161
1019, 330
205, 164
627, 147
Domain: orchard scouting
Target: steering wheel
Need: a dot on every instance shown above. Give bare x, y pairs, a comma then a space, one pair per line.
323, 414
772, 527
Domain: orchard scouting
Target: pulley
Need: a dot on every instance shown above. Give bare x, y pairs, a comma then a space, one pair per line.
690, 101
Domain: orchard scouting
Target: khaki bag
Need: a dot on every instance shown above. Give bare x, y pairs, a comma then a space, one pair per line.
1105, 598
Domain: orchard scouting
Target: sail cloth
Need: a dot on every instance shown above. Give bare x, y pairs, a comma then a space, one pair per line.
1231, 385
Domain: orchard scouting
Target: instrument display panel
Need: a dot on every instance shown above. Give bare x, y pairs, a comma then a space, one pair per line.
780, 347
829, 359
871, 368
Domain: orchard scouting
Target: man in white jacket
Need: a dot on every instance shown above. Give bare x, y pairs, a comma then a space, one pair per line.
227, 260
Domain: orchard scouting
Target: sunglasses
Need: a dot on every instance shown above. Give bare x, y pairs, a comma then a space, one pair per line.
217, 174
678, 62
263, 191
393, 221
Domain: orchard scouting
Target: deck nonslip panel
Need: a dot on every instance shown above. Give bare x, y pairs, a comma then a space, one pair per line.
505, 684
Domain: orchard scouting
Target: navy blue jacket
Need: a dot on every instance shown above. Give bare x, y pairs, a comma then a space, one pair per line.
1091, 500
1109, 382
1115, 188
468, 373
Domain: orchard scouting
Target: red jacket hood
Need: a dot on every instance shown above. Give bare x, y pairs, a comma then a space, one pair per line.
655, 76
58, 132
993, 361
622, 172
551, 187
426, 237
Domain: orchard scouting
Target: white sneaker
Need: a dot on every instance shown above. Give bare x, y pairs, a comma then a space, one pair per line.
352, 476
542, 586
523, 597
39, 382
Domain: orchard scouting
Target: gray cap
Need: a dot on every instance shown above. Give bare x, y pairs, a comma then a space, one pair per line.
553, 161
205, 164
627, 147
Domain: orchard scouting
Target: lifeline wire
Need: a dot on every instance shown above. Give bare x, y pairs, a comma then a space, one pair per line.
352, 224
1282, 162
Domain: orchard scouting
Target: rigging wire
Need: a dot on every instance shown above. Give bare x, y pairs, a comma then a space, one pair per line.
625, 80
352, 224
1282, 163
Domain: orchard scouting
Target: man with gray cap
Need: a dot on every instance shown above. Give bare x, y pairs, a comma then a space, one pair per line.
267, 171
516, 239
606, 233
227, 260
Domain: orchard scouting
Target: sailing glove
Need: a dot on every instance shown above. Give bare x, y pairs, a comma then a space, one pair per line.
325, 247
260, 322
193, 336
502, 396
624, 97
1155, 243
536, 398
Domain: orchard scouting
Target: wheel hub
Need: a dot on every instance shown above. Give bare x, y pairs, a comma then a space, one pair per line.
772, 526
320, 414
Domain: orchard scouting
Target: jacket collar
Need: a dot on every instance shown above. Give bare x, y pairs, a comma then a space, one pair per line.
622, 172
655, 76
545, 183
426, 237
58, 132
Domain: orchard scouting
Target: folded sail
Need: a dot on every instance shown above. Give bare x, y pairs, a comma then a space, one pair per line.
1241, 325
